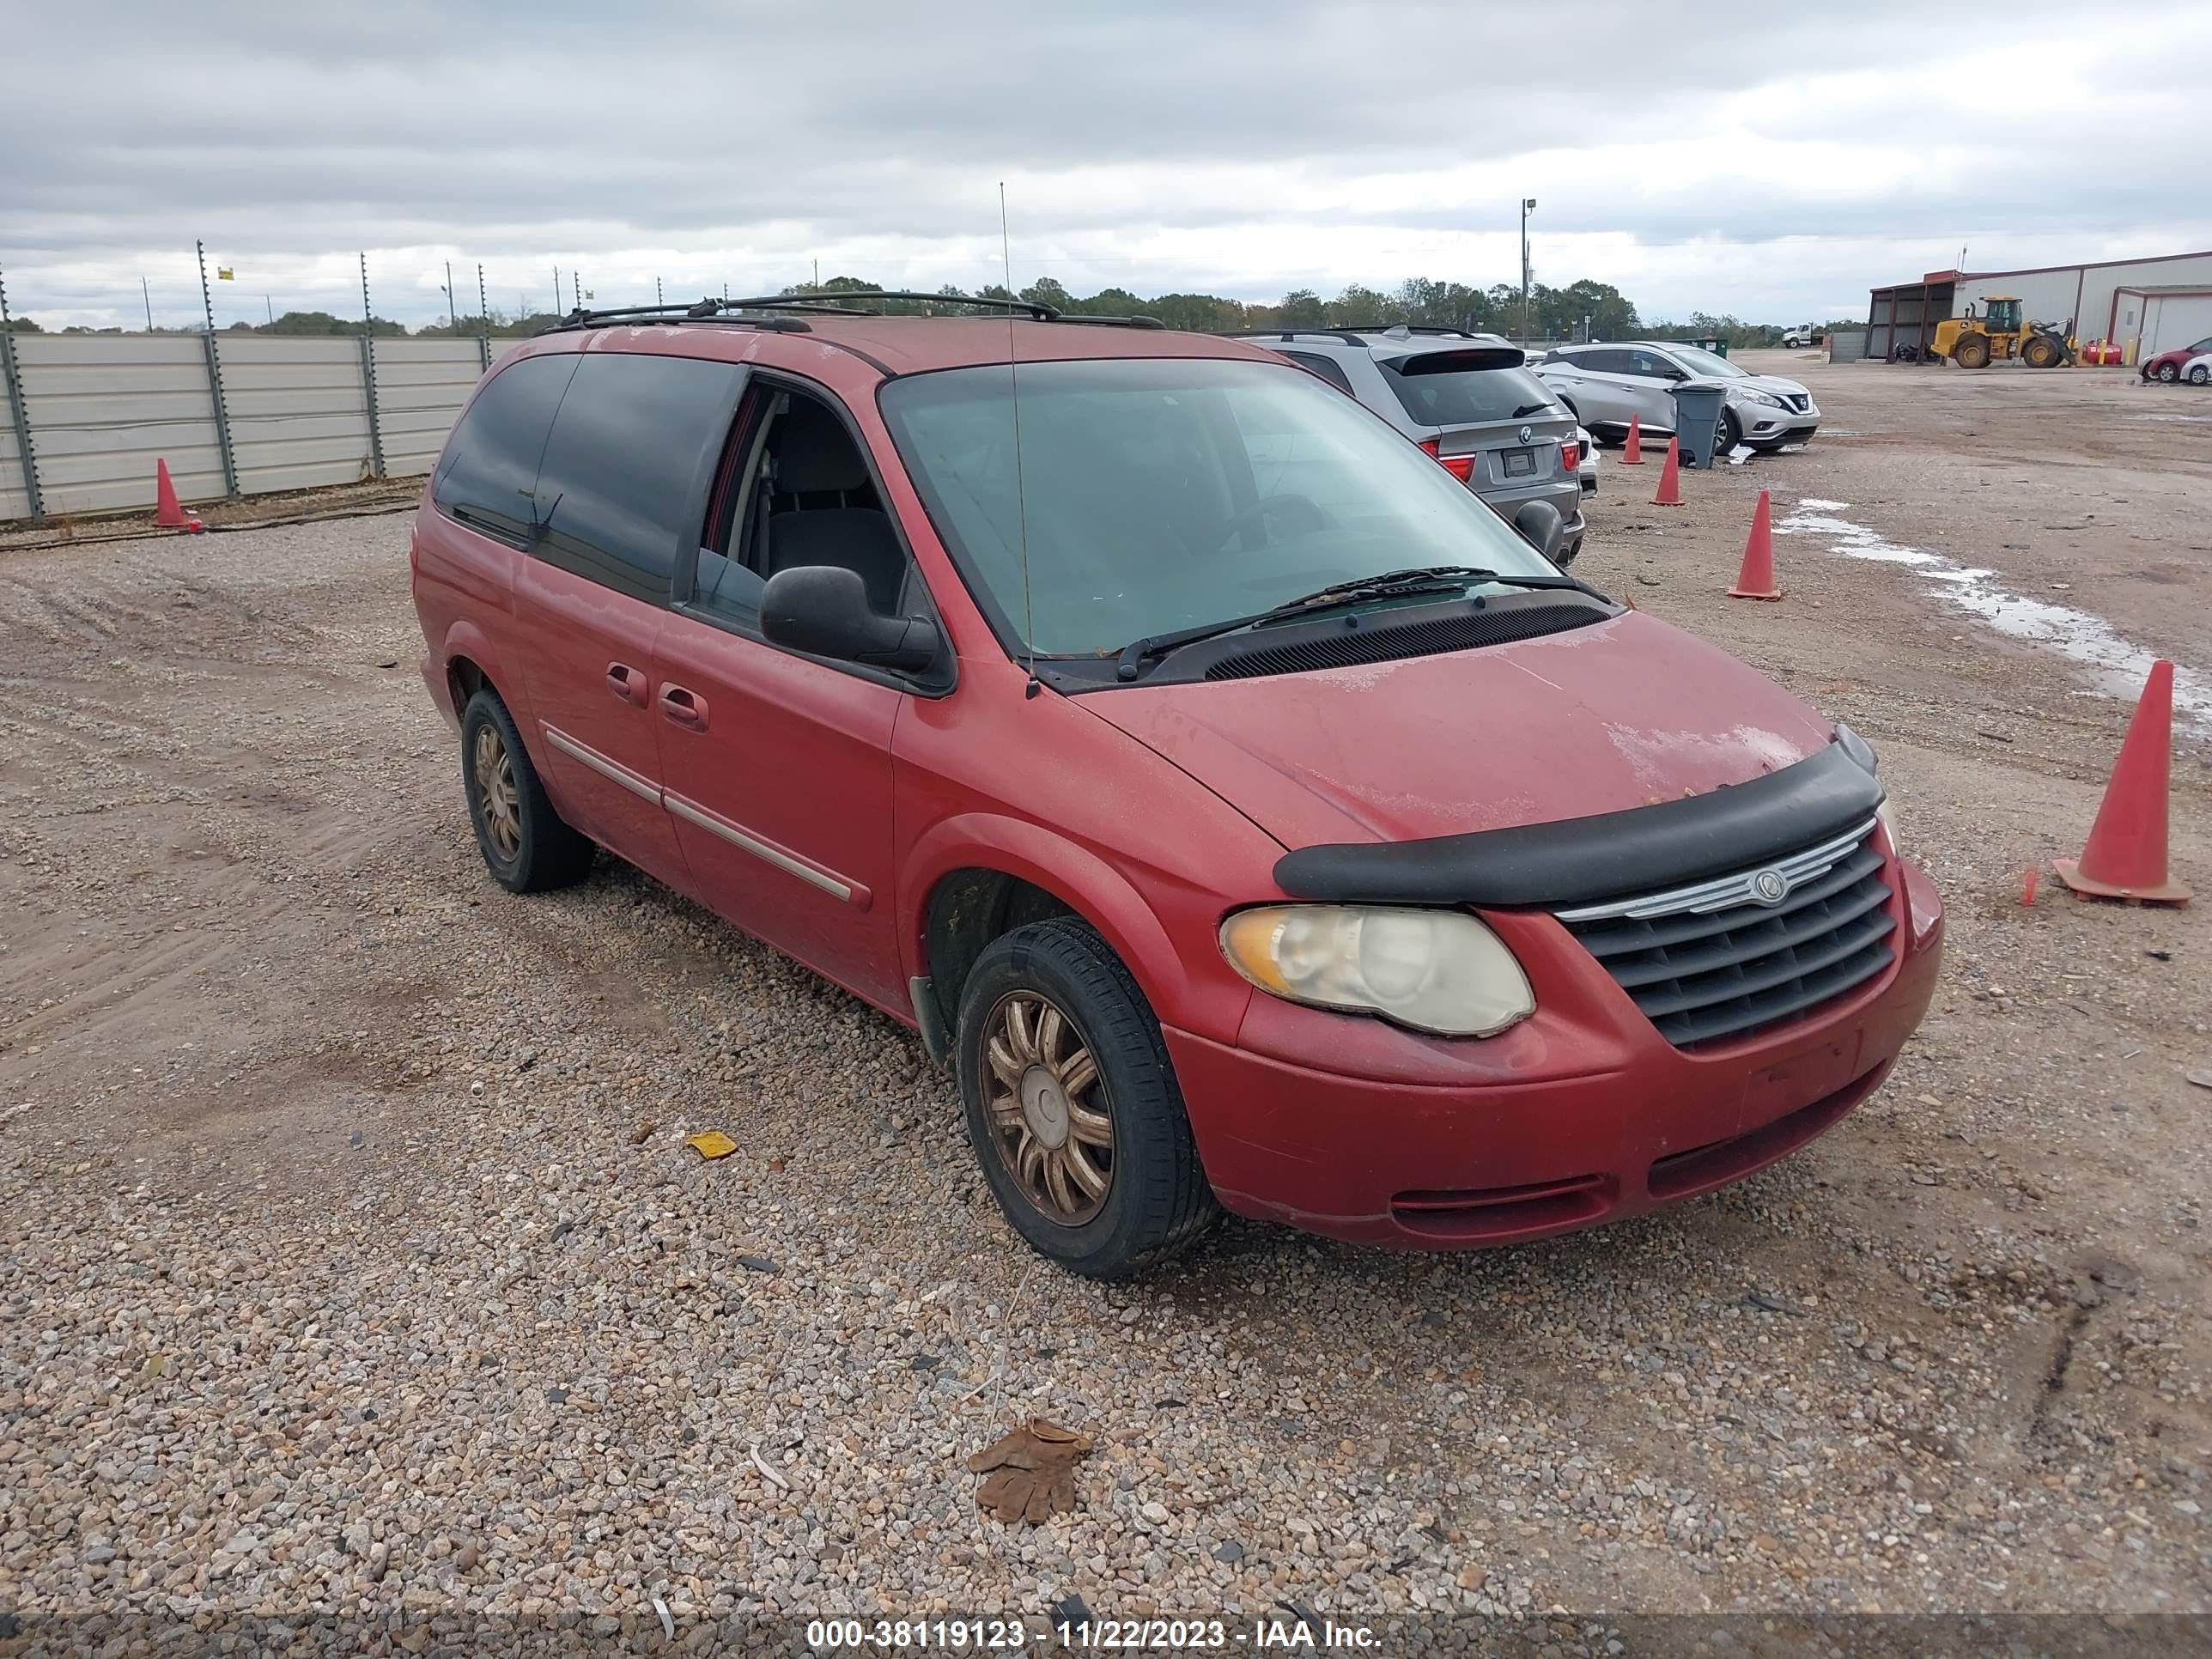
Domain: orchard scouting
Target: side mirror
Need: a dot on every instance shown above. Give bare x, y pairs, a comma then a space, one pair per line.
1539, 525
823, 610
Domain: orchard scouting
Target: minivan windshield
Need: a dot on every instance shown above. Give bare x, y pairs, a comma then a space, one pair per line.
1699, 361
1157, 494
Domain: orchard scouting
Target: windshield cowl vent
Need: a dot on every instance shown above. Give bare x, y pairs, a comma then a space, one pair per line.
1373, 641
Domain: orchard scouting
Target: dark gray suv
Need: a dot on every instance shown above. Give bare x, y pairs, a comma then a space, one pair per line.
1464, 398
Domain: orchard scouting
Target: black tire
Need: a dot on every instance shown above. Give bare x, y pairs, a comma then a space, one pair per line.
1728, 437
2039, 353
2198, 375
546, 852
2169, 373
1972, 352
1157, 1200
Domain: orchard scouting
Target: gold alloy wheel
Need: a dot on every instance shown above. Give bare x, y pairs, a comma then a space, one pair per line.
496, 792
1046, 1108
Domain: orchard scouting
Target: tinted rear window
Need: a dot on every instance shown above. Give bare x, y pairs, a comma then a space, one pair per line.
1439, 388
490, 462
618, 493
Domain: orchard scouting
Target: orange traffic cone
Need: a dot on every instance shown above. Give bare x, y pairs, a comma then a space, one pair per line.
1670, 482
1756, 579
1632, 452
2125, 857
167, 512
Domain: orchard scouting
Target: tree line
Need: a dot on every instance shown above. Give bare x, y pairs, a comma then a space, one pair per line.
1580, 309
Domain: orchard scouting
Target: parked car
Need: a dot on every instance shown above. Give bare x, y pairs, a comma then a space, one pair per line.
1605, 385
1250, 816
2172, 365
1466, 398
1801, 336
1586, 459
2198, 370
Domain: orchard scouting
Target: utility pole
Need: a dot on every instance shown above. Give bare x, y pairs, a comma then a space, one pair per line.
269, 309
556, 291
452, 319
1527, 205
656, 291
147, 293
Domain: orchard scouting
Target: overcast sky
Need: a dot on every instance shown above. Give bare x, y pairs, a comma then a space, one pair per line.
1773, 170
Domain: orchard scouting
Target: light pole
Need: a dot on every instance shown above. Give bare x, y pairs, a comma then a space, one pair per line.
1528, 206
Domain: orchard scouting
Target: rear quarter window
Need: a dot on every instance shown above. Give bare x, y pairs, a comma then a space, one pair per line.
485, 476
1446, 388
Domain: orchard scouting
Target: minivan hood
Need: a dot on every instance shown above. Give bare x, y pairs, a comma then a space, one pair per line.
1625, 713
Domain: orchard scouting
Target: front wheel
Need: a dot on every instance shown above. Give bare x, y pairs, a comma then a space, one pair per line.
1730, 436
2169, 373
2199, 375
1072, 1105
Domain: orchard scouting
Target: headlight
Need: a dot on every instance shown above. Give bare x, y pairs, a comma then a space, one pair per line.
1758, 397
1433, 970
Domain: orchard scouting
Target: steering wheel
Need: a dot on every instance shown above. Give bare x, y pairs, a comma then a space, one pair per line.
1312, 514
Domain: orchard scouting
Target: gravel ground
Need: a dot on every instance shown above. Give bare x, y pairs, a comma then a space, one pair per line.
353, 1265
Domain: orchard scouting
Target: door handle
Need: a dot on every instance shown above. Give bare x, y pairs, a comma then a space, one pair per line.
627, 683
685, 707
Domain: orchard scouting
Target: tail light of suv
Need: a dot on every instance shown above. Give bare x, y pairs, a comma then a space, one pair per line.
1459, 466
1570, 455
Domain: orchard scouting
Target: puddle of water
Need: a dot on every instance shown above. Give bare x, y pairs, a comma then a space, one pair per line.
2117, 665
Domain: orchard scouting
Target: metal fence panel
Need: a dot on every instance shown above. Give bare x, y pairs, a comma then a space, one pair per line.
299, 416
15, 499
1846, 345
103, 409
420, 386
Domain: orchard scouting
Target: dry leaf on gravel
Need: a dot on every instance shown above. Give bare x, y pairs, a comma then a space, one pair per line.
1034, 1467
711, 1144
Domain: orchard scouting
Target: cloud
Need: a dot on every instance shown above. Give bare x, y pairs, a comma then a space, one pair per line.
1773, 170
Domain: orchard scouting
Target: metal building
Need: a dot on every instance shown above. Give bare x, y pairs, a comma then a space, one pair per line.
2142, 306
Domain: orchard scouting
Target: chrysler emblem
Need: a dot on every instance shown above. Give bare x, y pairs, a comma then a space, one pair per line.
1527, 433
1770, 887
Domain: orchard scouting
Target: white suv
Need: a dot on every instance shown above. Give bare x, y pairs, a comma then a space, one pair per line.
1605, 385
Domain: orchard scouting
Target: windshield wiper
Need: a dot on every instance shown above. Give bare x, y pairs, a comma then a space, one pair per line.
1430, 578
1530, 408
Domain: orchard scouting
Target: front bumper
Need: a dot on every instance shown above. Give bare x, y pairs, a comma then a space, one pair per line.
1764, 424
1581, 1114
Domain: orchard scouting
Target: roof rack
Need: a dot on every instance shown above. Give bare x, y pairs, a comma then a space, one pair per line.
1415, 328
1350, 336
1351, 333
830, 304
701, 311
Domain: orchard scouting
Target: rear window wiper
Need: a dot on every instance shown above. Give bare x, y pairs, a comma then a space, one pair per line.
1432, 579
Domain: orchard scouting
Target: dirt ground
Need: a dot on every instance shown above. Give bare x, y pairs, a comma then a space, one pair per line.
351, 1254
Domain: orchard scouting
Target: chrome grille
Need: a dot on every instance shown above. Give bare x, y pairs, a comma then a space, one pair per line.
1749, 949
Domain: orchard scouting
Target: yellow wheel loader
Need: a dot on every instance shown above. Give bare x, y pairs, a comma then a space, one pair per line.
1971, 342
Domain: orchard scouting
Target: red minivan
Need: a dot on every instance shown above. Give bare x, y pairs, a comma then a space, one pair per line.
1251, 817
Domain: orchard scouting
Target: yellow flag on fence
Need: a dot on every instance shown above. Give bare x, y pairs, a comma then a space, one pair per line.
223, 274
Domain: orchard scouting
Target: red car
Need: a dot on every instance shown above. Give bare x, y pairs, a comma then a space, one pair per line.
1247, 813
2167, 365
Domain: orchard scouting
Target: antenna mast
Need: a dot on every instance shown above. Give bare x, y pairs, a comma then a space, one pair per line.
1021, 505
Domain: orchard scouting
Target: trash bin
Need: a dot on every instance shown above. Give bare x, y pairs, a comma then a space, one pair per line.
1698, 419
